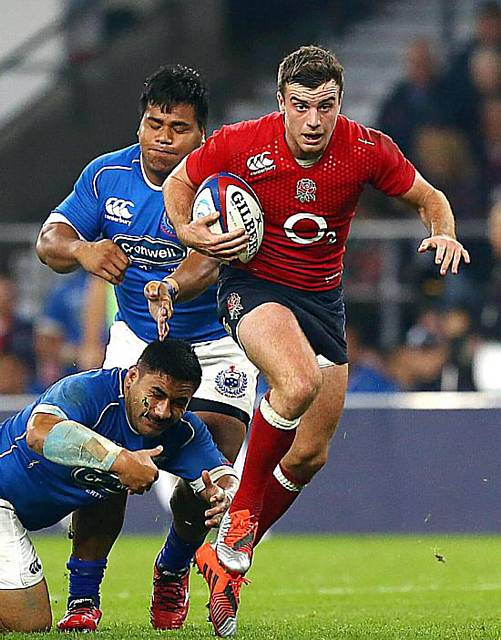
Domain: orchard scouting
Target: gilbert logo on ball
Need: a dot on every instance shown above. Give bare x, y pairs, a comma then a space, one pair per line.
238, 208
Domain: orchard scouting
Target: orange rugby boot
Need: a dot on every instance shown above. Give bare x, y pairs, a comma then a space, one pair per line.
224, 591
235, 541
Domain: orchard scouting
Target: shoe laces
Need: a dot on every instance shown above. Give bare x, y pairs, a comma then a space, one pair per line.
237, 582
240, 526
82, 605
169, 590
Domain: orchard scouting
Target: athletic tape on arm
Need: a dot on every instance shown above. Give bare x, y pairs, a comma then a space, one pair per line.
73, 445
216, 473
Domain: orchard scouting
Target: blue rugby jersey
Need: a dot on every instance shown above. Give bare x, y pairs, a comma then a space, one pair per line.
113, 199
43, 492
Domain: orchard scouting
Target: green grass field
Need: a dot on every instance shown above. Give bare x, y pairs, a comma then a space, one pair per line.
327, 587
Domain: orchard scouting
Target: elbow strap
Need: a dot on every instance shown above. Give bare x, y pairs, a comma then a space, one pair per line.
73, 445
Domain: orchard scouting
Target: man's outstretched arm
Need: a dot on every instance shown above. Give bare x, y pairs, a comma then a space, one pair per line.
72, 444
436, 213
61, 248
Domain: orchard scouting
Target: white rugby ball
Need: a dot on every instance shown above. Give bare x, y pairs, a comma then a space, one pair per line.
238, 207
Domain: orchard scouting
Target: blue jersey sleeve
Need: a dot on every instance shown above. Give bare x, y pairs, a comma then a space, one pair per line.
199, 454
81, 397
81, 206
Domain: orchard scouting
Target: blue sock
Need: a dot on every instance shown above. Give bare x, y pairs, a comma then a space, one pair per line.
176, 554
85, 578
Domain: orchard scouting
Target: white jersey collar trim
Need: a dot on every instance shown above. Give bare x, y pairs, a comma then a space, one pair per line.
155, 187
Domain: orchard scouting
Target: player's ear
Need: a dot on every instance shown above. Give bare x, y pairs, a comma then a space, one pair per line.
131, 375
281, 102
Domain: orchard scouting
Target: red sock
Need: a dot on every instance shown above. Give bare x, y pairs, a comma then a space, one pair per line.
271, 437
281, 491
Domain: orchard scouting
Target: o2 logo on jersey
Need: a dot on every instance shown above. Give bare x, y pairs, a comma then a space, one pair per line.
155, 252
231, 383
96, 480
117, 210
307, 228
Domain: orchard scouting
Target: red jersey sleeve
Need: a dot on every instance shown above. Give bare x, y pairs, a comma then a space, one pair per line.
394, 174
212, 157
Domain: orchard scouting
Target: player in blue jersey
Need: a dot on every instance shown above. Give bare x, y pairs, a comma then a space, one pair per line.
113, 225
92, 435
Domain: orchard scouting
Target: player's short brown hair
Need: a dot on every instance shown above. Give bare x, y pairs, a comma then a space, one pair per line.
310, 66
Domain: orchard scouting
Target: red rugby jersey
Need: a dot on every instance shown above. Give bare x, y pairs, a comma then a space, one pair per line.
307, 211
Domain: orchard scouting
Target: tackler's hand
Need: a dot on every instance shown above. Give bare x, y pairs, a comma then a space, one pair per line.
136, 470
449, 252
160, 295
218, 500
104, 259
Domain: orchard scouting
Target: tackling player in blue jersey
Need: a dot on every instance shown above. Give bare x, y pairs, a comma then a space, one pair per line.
89, 436
113, 224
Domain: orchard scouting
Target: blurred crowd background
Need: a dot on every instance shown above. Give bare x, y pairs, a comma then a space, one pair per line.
426, 73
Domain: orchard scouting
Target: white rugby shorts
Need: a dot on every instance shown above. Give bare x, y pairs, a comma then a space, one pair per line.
228, 376
20, 566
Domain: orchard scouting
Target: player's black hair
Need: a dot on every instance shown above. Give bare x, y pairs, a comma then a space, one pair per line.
172, 85
176, 358
310, 66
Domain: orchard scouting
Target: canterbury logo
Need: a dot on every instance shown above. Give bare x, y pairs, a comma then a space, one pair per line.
35, 567
261, 162
118, 208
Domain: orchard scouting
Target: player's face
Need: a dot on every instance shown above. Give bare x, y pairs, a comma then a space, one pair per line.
166, 138
155, 401
310, 117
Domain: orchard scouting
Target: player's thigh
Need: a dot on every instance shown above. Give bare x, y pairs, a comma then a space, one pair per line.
319, 422
276, 344
25, 609
24, 601
225, 398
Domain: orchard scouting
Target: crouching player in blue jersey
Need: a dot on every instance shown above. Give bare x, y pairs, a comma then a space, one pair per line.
114, 225
91, 435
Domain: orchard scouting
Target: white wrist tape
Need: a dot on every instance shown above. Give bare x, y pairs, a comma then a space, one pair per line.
216, 473
73, 445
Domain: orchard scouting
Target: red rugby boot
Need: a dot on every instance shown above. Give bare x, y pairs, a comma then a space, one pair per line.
82, 615
224, 591
170, 600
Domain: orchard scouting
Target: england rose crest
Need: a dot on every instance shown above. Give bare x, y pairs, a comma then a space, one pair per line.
234, 305
305, 190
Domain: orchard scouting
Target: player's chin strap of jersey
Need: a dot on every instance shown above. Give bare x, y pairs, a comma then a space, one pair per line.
74, 445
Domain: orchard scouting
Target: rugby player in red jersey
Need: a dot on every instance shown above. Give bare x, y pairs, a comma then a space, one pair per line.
308, 165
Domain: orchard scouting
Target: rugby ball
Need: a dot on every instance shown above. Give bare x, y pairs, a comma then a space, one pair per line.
238, 208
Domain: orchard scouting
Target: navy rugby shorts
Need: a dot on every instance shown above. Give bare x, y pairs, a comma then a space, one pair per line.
321, 314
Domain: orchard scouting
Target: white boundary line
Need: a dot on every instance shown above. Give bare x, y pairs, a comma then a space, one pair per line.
423, 401
427, 401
